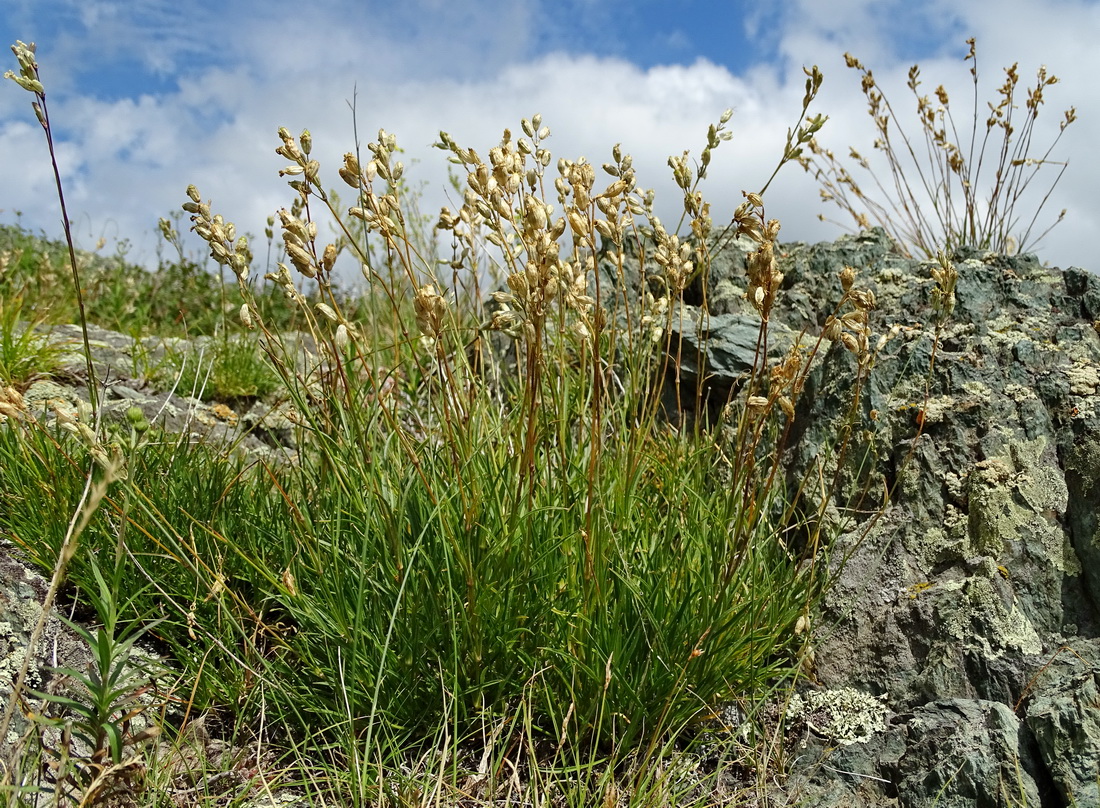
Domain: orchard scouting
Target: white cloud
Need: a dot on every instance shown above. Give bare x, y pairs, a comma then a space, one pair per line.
427, 66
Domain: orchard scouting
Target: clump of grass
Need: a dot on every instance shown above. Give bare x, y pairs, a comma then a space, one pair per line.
25, 354
496, 569
227, 369
529, 535
947, 188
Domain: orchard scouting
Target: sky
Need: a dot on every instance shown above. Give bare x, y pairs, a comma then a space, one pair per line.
148, 96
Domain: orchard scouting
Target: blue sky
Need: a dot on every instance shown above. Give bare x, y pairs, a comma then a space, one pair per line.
150, 95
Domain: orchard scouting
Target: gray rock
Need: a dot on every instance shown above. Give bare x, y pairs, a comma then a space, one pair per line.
986, 560
722, 348
963, 753
21, 593
957, 753
1064, 715
122, 365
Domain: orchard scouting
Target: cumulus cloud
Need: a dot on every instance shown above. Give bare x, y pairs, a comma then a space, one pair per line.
227, 80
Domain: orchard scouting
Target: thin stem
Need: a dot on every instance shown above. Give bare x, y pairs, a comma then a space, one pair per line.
44, 118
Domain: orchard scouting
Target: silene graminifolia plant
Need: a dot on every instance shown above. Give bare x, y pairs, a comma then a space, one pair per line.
488, 524
939, 193
97, 711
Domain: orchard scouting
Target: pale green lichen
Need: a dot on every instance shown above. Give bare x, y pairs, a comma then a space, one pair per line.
997, 486
1020, 393
978, 392
44, 396
1085, 461
1007, 627
949, 541
845, 715
935, 408
1083, 379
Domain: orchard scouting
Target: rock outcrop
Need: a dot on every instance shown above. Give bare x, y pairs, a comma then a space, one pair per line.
970, 607
122, 366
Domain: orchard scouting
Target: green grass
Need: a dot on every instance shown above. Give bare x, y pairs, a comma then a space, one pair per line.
25, 354
497, 567
180, 299
226, 368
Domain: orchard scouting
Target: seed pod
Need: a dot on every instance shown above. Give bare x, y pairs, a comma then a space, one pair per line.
328, 260
577, 222
536, 213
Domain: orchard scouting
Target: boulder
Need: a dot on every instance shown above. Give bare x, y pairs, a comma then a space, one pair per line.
126, 370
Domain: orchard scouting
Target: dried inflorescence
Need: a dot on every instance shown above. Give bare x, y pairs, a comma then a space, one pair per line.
943, 205
943, 293
27, 77
764, 275
852, 328
431, 310
11, 404
543, 235
220, 235
505, 199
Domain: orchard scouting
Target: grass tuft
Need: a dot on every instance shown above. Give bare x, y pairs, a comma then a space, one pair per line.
506, 563
939, 194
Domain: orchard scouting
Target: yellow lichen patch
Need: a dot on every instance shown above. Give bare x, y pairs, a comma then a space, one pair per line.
224, 413
917, 588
